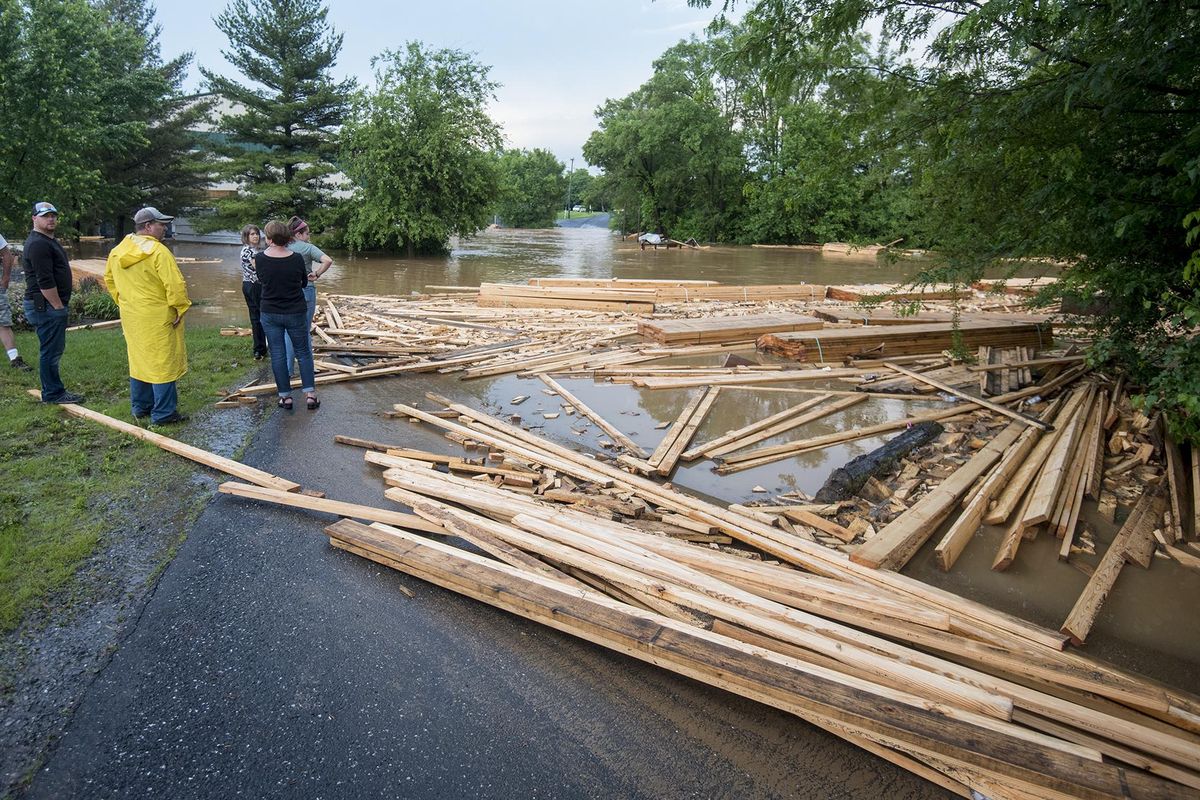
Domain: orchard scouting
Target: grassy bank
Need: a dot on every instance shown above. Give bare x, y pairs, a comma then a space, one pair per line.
579, 214
67, 481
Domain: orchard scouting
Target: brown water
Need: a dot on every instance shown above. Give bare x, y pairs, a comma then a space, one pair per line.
1147, 624
515, 256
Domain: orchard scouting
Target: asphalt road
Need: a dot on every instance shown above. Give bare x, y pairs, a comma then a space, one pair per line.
269, 665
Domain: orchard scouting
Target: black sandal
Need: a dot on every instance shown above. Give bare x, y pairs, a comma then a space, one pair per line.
285, 403
312, 402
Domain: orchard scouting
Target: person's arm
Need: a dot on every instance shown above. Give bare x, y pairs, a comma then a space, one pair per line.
172, 280
326, 263
6, 262
41, 259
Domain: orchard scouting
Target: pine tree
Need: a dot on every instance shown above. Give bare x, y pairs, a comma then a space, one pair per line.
280, 132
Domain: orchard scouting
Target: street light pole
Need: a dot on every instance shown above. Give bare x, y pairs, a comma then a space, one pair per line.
570, 178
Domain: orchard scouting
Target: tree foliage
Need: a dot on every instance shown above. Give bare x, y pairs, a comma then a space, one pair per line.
419, 147
532, 188
674, 160
1064, 130
97, 124
281, 125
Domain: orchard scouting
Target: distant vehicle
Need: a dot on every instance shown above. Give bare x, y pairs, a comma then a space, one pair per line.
578, 208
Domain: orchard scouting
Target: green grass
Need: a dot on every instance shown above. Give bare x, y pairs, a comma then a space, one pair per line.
578, 214
67, 481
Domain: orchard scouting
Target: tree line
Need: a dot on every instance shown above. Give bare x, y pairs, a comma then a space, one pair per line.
101, 124
991, 132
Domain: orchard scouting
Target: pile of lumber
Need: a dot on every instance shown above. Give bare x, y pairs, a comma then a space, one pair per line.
621, 283
751, 293
504, 295
892, 291
709, 330
845, 343
1019, 286
966, 697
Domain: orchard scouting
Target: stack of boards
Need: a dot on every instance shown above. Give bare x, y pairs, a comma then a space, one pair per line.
897, 340
632, 296
712, 330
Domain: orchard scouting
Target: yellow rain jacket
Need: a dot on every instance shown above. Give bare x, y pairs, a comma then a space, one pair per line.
144, 279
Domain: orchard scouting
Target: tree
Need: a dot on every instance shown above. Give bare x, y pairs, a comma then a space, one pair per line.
532, 188
165, 166
419, 148
579, 188
1066, 130
87, 95
671, 154
281, 129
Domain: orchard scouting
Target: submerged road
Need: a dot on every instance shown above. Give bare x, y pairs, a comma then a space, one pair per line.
267, 664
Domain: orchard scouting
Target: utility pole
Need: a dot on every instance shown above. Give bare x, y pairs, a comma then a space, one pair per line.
570, 178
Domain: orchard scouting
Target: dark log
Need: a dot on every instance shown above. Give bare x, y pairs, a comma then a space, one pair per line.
845, 481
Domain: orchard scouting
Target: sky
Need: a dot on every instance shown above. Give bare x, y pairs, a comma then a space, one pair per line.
556, 61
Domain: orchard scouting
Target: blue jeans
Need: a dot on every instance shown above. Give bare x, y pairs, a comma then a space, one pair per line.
278, 328
51, 326
310, 297
156, 399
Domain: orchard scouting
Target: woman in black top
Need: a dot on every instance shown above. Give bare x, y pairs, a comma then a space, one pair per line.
284, 312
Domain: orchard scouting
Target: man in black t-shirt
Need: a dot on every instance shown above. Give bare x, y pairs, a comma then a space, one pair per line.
47, 293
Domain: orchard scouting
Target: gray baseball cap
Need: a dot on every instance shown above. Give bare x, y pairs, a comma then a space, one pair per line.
150, 214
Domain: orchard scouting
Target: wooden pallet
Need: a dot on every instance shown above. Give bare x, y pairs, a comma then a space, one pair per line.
888, 341
723, 329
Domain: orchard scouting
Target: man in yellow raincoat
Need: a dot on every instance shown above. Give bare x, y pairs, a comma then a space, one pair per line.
144, 279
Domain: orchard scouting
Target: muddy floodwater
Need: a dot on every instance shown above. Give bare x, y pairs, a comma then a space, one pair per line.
1147, 624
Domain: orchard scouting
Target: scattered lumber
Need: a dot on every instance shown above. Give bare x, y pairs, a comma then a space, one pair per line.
899, 540
840, 344
999, 409
709, 330
894, 291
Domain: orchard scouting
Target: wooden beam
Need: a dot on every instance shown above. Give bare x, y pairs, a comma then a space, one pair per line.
342, 509
219, 463
1139, 525
604, 425
945, 387
666, 464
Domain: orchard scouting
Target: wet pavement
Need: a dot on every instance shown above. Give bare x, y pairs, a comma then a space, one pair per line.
268, 664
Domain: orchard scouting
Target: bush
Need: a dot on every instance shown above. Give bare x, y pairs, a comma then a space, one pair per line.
93, 302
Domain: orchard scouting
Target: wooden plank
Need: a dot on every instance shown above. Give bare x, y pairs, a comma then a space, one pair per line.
1177, 489
892, 547
838, 344
963, 529
988, 404
1048, 485
1083, 614
723, 329
790, 549
352, 510
219, 463
666, 464
595, 417
790, 423
675, 430
753, 427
